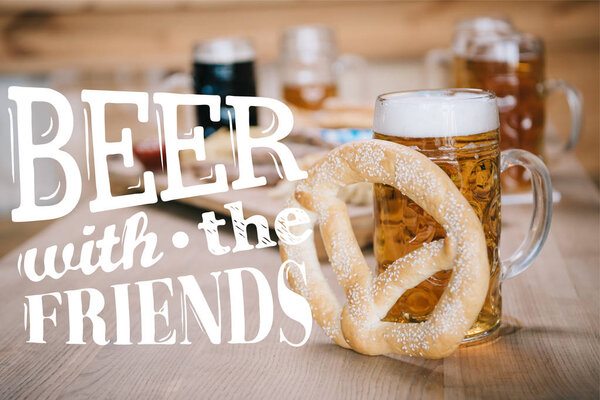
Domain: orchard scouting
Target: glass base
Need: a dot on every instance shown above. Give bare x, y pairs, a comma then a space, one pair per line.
474, 338
486, 328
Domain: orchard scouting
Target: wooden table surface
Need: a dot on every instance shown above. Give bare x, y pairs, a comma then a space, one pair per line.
548, 347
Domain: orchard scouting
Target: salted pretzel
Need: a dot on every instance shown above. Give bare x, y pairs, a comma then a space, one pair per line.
358, 324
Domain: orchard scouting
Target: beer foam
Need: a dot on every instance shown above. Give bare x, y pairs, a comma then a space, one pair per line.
488, 27
225, 50
436, 113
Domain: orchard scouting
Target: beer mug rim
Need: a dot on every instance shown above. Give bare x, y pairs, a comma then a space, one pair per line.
438, 93
484, 26
224, 50
501, 21
436, 113
308, 44
525, 43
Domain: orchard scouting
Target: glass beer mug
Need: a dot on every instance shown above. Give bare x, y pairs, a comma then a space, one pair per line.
221, 66
458, 130
224, 66
442, 64
512, 66
307, 57
311, 70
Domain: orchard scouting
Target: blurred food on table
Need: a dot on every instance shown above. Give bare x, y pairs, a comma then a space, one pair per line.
335, 114
358, 194
151, 153
220, 148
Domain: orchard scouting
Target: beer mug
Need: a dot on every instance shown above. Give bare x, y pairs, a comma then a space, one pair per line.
311, 69
441, 64
512, 66
221, 66
457, 129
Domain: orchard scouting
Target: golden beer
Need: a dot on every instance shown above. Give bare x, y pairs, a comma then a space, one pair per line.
465, 30
457, 129
307, 57
518, 82
401, 226
308, 96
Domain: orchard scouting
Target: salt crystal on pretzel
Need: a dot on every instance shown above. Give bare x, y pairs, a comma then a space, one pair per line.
357, 325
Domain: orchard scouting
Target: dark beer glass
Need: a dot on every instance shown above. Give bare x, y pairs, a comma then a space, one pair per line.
223, 66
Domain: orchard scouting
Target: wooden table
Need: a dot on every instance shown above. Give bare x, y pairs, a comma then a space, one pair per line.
548, 347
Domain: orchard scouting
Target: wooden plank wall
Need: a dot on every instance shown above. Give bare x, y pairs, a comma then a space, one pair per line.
41, 36
97, 38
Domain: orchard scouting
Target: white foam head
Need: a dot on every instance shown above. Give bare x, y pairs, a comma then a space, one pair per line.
488, 27
225, 50
436, 113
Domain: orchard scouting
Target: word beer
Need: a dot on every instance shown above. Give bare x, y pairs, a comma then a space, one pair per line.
28, 152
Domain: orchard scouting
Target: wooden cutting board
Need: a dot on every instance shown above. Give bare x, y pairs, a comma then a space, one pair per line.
254, 201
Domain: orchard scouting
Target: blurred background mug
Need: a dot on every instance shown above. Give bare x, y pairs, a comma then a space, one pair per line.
457, 129
513, 67
311, 71
440, 63
221, 66
489, 53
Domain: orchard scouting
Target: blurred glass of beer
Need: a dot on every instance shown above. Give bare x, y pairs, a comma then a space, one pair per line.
469, 28
458, 130
512, 66
223, 66
307, 57
443, 64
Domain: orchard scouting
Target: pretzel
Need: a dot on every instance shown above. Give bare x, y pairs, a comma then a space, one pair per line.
357, 325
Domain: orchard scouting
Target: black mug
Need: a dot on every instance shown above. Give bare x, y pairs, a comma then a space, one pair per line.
223, 66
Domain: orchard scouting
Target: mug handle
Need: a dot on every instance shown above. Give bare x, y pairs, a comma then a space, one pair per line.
539, 226
575, 102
